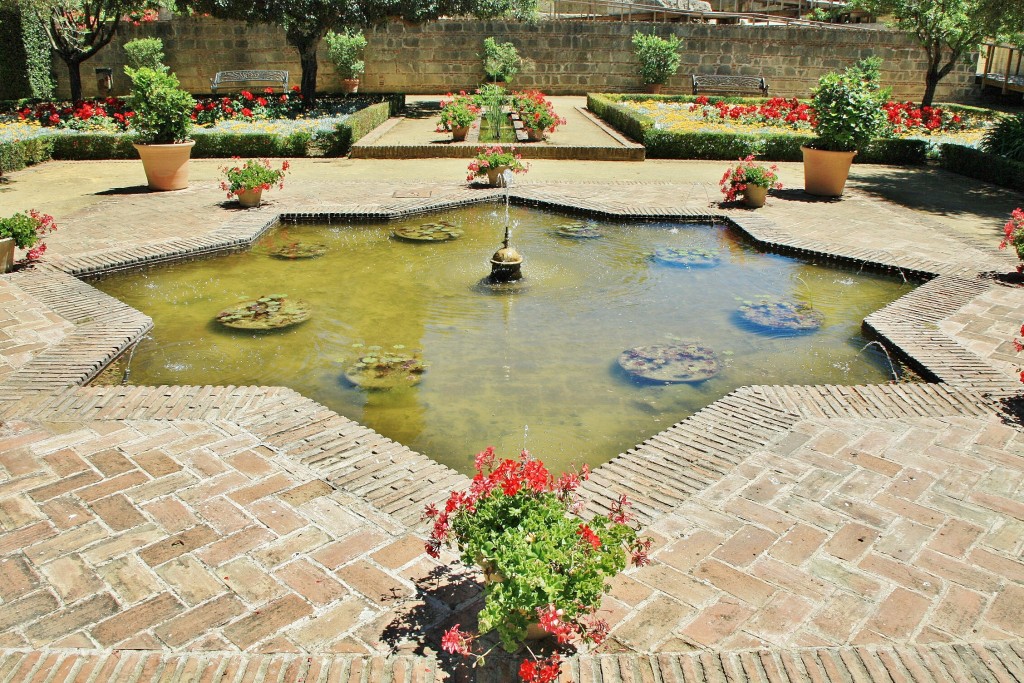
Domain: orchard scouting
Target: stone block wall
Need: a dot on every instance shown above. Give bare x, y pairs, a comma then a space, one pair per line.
561, 57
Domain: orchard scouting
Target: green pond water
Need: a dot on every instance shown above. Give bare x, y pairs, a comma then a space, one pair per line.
537, 369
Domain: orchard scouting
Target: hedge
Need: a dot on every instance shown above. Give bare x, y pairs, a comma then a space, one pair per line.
209, 145
665, 144
974, 163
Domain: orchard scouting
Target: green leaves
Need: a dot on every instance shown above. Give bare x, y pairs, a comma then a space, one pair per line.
848, 108
659, 57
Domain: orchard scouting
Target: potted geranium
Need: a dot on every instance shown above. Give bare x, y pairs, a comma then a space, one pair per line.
545, 568
848, 114
751, 180
658, 57
1013, 235
248, 180
24, 230
162, 124
537, 113
493, 162
457, 115
345, 50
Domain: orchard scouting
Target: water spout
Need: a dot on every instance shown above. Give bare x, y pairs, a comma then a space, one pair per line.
892, 366
506, 263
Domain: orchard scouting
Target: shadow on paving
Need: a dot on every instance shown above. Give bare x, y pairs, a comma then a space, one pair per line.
132, 189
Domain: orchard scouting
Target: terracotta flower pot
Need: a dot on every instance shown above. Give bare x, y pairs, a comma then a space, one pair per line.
654, 88
754, 196
250, 198
350, 85
825, 172
494, 176
459, 134
6, 254
534, 134
166, 166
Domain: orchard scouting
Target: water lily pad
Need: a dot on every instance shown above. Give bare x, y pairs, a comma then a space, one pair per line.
442, 231
270, 312
577, 231
299, 250
387, 370
687, 361
781, 315
688, 258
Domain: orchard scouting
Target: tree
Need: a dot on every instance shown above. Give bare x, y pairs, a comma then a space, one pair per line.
78, 29
949, 30
306, 22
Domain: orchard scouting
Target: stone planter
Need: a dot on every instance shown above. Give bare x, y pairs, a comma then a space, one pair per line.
250, 198
166, 166
6, 254
754, 196
825, 172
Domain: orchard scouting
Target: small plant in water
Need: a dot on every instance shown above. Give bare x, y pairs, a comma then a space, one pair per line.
254, 174
748, 172
545, 566
28, 229
1013, 235
488, 158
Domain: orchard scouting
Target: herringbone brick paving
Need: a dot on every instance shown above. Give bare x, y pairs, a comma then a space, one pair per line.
246, 533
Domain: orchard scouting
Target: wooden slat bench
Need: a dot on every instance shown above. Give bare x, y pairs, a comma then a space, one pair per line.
734, 85
239, 78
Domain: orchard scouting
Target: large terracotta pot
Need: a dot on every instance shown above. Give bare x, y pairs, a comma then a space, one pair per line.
349, 85
654, 88
6, 254
754, 196
166, 165
825, 173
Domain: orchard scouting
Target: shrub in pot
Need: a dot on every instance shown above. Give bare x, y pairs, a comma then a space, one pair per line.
24, 230
345, 50
848, 114
162, 123
501, 61
659, 58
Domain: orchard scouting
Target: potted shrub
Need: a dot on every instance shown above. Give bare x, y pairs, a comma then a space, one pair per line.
750, 180
501, 61
345, 50
24, 230
848, 114
162, 123
1013, 235
145, 52
545, 569
659, 58
457, 115
249, 180
536, 113
493, 162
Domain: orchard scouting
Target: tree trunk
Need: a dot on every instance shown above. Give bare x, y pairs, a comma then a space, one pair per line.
307, 46
931, 82
74, 78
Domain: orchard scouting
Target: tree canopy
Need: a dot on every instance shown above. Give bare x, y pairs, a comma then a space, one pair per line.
949, 30
307, 21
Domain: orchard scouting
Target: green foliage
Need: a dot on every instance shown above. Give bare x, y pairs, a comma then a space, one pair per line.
162, 110
13, 67
1006, 138
24, 228
493, 98
145, 52
848, 107
659, 57
93, 146
345, 50
501, 60
39, 68
974, 163
16, 155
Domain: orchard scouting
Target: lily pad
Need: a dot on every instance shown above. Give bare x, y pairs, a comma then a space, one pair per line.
577, 231
687, 361
442, 231
688, 258
299, 250
782, 315
383, 370
270, 312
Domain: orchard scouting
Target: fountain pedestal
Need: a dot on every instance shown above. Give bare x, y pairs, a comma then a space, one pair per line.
506, 265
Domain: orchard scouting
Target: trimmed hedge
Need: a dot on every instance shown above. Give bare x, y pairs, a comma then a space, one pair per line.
974, 163
209, 145
665, 144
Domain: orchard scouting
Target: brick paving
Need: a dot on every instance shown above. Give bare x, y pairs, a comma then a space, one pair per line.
248, 534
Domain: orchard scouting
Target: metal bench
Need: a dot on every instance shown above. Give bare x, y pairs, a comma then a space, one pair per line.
238, 78
729, 84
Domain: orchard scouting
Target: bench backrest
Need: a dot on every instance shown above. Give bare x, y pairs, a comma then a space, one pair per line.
713, 83
238, 77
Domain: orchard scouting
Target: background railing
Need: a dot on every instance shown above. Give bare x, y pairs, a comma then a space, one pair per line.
1000, 67
762, 12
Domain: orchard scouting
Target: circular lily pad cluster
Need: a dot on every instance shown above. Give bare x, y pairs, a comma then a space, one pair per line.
782, 315
687, 361
442, 231
688, 258
299, 250
270, 312
386, 369
577, 231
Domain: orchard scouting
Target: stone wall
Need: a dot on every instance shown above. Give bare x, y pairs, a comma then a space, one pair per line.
561, 57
